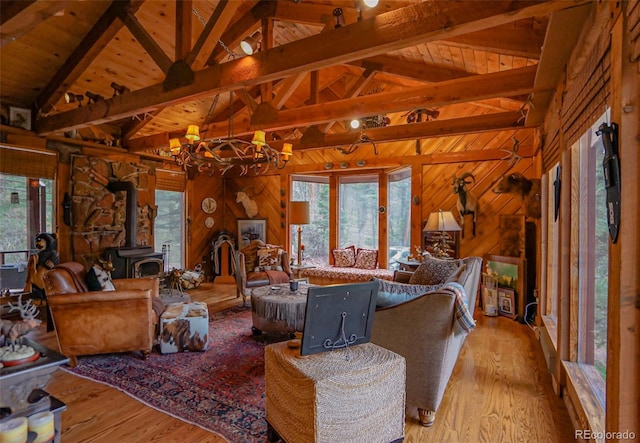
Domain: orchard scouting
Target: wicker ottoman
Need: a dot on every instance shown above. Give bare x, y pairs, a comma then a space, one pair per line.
184, 327
326, 398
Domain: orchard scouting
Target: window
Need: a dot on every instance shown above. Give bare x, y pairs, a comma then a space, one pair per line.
358, 211
590, 216
399, 215
26, 208
168, 228
315, 235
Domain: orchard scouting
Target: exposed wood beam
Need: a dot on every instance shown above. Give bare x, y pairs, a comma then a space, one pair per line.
136, 124
477, 87
562, 34
146, 41
505, 39
360, 84
18, 17
287, 87
437, 128
210, 35
426, 159
266, 88
508, 39
247, 24
389, 31
247, 99
11, 8
430, 129
85, 53
411, 70
183, 28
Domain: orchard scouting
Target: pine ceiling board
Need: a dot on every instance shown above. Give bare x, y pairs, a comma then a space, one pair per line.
482, 64
506, 62
493, 62
39, 55
469, 60
457, 57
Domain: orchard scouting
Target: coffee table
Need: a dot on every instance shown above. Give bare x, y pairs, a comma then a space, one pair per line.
277, 309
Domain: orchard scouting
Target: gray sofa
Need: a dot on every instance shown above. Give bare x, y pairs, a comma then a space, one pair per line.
424, 330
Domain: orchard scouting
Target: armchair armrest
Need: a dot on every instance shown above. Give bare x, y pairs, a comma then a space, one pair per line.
150, 283
100, 297
402, 276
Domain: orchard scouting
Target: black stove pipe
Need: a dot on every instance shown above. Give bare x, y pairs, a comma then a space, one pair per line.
131, 222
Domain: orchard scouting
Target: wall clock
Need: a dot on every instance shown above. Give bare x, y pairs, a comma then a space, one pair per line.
208, 222
209, 205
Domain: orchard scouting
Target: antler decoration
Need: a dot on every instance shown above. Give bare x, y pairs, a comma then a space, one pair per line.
364, 138
512, 154
27, 310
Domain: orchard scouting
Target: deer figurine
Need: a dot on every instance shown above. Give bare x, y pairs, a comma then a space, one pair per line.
13, 331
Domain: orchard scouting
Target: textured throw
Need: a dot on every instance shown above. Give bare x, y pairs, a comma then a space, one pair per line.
463, 315
221, 390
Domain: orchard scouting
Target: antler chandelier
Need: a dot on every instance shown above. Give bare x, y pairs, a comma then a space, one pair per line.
225, 154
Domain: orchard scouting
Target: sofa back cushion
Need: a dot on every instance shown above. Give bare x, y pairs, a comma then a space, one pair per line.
366, 258
391, 293
433, 271
344, 258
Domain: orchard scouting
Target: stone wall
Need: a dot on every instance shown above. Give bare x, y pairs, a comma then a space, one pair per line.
98, 216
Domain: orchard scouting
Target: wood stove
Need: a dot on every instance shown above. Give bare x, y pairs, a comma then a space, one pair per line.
132, 261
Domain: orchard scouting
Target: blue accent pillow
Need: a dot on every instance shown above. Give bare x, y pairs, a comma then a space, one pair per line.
391, 293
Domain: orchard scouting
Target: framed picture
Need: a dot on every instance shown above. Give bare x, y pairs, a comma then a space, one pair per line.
251, 229
20, 117
507, 303
509, 273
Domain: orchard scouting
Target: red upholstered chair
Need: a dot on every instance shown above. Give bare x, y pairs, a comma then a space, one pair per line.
250, 274
101, 322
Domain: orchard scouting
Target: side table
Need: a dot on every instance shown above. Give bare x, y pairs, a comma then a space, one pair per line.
277, 309
327, 398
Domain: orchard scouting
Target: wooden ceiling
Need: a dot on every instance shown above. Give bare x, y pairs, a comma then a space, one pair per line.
484, 65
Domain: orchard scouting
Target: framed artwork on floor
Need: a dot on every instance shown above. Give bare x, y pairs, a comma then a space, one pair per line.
509, 273
251, 229
506, 303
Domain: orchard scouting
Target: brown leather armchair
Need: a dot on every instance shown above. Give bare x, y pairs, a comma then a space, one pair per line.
101, 322
250, 275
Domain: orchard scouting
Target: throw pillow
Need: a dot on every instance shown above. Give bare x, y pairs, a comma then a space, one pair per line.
367, 258
433, 271
391, 293
98, 280
344, 258
269, 259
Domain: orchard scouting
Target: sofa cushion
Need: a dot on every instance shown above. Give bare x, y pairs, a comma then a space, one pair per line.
366, 258
344, 258
391, 293
433, 271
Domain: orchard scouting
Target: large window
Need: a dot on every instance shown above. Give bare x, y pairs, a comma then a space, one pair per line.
590, 216
26, 209
358, 211
399, 215
315, 235
168, 231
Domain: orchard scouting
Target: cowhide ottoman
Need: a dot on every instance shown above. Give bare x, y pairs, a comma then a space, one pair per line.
184, 327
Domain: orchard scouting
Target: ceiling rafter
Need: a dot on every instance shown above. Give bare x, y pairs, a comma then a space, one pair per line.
154, 50
85, 53
208, 39
37, 13
389, 31
477, 87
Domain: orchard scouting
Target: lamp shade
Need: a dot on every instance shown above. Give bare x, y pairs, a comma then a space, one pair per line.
259, 138
299, 213
287, 150
441, 221
193, 133
174, 146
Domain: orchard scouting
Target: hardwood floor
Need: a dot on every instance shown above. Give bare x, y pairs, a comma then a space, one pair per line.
500, 391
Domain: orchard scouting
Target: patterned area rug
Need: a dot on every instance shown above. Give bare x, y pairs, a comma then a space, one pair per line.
221, 390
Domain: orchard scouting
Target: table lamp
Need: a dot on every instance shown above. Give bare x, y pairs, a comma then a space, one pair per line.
442, 222
299, 215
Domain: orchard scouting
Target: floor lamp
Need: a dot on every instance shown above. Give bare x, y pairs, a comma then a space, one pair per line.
299, 215
443, 222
